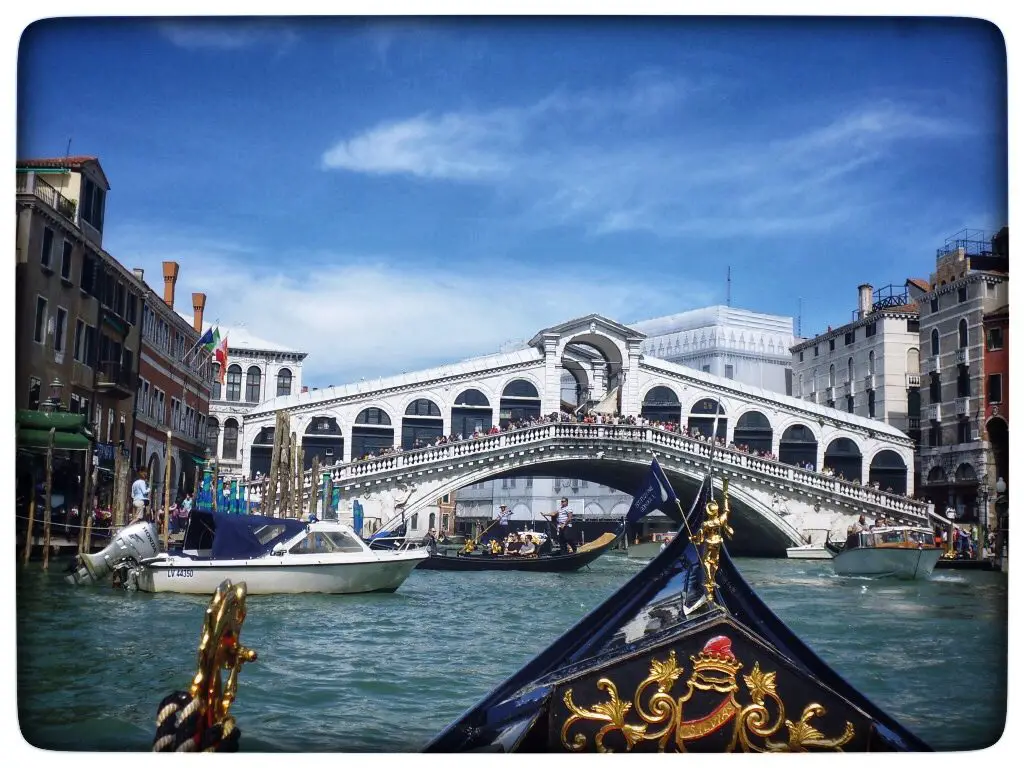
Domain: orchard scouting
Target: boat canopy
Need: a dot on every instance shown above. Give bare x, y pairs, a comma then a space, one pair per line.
236, 537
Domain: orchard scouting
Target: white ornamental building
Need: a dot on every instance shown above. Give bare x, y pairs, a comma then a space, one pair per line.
749, 347
258, 370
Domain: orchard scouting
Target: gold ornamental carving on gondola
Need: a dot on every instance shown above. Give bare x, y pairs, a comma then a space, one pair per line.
757, 724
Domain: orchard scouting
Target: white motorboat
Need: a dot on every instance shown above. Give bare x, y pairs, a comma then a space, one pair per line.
902, 551
808, 552
648, 550
271, 555
811, 550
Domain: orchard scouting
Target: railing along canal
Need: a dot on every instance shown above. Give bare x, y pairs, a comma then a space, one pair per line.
535, 435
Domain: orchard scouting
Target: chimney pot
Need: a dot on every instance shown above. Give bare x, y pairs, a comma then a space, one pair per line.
864, 292
170, 278
198, 307
139, 274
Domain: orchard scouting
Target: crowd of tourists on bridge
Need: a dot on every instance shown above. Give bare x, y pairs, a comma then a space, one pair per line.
615, 420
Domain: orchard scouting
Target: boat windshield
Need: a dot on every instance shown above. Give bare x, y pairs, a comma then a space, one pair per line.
325, 542
921, 537
890, 537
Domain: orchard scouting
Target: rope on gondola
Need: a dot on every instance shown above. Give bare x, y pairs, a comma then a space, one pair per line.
179, 728
197, 720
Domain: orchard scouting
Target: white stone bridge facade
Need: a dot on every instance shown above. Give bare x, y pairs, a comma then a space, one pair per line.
578, 364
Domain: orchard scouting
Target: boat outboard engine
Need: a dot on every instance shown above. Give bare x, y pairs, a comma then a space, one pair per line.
138, 542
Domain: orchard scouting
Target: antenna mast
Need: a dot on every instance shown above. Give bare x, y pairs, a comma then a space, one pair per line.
799, 315
728, 286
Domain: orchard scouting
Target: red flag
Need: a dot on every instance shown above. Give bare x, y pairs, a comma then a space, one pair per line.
221, 355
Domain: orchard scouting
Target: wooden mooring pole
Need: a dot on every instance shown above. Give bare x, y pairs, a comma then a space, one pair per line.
31, 515
314, 485
167, 491
86, 508
47, 511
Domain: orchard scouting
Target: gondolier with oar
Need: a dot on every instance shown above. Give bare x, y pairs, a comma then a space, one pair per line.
562, 519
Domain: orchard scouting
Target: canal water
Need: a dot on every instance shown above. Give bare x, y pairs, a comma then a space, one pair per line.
387, 672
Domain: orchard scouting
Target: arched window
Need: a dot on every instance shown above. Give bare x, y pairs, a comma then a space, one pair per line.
935, 341
832, 375
235, 383
871, 362
814, 381
230, 436
962, 334
252, 385
849, 369
284, 382
216, 381
800, 385
913, 361
212, 432
423, 407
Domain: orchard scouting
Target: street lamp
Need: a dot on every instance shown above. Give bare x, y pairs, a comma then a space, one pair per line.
951, 514
53, 402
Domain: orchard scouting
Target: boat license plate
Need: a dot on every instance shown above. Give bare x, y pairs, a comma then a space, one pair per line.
179, 573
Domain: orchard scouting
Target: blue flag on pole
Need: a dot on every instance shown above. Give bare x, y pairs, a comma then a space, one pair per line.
357, 518
656, 493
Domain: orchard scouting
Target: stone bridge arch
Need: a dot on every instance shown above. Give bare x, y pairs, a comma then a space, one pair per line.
759, 529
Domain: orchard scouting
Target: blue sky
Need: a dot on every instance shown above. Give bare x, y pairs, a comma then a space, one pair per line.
393, 194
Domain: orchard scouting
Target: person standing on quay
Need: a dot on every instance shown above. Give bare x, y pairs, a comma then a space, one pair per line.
140, 495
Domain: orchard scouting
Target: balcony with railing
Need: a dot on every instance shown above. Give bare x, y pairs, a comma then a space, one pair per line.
869, 382
963, 406
846, 388
934, 363
934, 412
115, 379
913, 380
32, 184
963, 356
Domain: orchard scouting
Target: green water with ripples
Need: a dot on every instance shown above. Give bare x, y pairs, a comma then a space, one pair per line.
388, 672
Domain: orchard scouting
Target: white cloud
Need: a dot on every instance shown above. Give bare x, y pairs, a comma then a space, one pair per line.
226, 35
365, 317
619, 161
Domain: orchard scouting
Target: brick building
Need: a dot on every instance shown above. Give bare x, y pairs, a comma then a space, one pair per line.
77, 309
173, 393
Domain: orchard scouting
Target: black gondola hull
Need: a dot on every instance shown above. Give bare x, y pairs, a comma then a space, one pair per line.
557, 563
657, 667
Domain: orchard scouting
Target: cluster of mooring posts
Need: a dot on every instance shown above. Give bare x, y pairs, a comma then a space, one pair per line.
42, 437
280, 493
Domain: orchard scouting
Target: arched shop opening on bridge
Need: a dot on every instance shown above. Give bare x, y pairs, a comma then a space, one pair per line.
595, 362
890, 472
519, 400
261, 451
702, 418
372, 432
843, 457
753, 431
471, 412
323, 438
421, 425
798, 446
662, 404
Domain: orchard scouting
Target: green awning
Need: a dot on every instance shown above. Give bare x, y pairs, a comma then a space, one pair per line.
40, 438
62, 420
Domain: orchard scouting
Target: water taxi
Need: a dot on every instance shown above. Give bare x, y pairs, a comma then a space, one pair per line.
901, 551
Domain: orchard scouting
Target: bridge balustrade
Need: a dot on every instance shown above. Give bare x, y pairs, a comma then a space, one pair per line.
623, 433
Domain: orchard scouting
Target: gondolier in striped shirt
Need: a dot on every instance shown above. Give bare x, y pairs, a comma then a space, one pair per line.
563, 524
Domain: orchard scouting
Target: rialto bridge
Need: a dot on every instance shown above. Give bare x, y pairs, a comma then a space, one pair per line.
593, 361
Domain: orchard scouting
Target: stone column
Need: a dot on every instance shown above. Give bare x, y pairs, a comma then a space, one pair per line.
550, 395
631, 379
